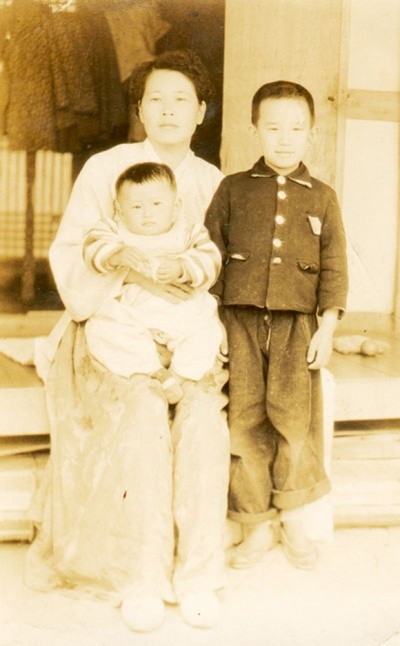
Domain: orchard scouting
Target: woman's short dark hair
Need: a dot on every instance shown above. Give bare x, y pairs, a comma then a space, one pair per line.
146, 172
184, 61
281, 90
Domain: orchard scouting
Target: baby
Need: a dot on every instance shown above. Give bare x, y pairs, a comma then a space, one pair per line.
148, 233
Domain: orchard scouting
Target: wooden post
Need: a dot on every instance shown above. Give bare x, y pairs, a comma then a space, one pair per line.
28, 267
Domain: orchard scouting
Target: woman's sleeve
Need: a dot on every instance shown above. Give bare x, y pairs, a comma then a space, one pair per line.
82, 290
99, 244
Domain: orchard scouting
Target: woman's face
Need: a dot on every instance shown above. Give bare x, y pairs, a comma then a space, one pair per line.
170, 110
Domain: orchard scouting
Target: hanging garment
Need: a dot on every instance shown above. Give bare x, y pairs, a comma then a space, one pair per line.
30, 123
135, 30
64, 88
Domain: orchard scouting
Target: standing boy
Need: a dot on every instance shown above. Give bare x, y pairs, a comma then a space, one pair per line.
283, 246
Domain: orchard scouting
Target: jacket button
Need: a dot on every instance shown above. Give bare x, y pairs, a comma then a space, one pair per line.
279, 219
281, 195
276, 260
281, 180
276, 243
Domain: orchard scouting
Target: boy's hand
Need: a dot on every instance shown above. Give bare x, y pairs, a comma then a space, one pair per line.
169, 270
320, 348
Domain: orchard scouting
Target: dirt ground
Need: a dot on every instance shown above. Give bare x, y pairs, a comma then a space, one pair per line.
351, 599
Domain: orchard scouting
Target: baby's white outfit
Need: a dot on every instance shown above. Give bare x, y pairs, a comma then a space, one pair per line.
123, 331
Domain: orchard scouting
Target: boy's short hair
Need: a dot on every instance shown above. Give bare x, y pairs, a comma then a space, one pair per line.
186, 62
146, 172
281, 90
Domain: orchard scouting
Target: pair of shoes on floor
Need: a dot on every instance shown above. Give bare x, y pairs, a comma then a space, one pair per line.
259, 540
299, 550
145, 613
200, 609
142, 613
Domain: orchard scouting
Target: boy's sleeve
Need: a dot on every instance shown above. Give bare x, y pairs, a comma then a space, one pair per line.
217, 223
201, 261
100, 243
333, 286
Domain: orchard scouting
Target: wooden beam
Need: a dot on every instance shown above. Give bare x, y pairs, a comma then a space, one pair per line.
343, 72
396, 312
373, 105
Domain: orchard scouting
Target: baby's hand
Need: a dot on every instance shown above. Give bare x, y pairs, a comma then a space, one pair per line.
130, 257
168, 270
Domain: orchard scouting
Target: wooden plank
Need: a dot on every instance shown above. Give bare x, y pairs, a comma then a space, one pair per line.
15, 445
15, 527
343, 73
366, 470
365, 492
367, 399
367, 516
373, 105
367, 387
370, 428
368, 323
15, 375
374, 447
35, 323
23, 411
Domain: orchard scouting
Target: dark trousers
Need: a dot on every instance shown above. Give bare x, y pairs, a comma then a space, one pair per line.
275, 413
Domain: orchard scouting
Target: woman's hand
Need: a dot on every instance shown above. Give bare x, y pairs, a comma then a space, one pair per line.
169, 291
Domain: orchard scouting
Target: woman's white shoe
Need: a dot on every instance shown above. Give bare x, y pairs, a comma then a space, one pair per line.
143, 613
200, 609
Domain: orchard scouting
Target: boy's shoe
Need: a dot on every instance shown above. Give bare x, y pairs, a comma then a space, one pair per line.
258, 540
170, 385
200, 609
142, 613
297, 547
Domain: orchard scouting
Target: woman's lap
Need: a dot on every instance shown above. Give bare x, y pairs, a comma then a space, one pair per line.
106, 517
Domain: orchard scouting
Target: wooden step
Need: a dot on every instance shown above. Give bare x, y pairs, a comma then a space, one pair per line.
20, 476
23, 408
368, 387
365, 473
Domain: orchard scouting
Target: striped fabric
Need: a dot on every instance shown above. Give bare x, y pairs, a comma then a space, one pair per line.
191, 244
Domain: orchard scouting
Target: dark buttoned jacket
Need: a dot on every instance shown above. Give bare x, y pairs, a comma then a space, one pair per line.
281, 239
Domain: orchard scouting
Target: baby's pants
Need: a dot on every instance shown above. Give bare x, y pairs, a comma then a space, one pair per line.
275, 413
122, 336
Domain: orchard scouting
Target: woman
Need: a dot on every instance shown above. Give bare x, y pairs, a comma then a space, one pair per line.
134, 504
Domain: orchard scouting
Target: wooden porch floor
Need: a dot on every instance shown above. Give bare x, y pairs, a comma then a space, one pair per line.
366, 388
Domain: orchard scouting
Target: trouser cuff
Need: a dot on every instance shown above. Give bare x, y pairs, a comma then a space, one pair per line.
252, 519
292, 499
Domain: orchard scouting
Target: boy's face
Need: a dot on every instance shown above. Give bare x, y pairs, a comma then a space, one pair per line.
170, 110
284, 132
147, 209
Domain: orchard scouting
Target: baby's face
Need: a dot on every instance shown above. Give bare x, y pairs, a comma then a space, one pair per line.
147, 209
284, 132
